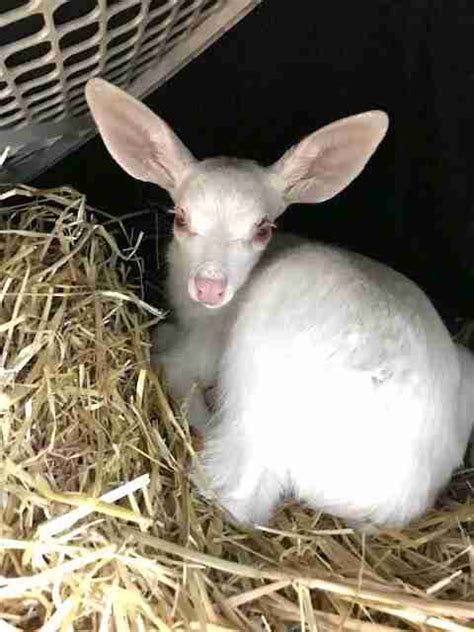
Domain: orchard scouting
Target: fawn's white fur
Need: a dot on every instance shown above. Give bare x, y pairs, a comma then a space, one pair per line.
337, 382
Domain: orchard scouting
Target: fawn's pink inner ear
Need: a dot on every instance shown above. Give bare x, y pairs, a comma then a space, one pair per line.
326, 161
140, 141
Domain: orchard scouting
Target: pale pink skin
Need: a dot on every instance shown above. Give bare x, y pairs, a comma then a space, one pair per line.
209, 291
336, 380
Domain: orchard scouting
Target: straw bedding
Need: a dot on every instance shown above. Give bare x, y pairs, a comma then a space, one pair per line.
100, 528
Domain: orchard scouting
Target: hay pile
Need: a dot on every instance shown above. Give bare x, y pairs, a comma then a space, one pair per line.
99, 526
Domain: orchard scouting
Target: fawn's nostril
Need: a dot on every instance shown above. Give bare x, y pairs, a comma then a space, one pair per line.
203, 294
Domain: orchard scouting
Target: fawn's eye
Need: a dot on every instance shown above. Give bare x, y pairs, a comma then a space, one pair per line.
263, 231
180, 219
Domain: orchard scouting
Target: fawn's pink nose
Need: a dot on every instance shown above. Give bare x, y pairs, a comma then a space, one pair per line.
210, 290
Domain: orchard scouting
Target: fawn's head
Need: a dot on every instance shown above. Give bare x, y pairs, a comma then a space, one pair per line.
224, 208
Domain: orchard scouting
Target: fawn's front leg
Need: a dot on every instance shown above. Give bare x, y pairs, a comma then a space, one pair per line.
173, 352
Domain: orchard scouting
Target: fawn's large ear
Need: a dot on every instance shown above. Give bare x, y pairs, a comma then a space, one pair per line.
142, 143
325, 162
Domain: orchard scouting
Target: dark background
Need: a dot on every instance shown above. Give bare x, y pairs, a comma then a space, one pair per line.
290, 67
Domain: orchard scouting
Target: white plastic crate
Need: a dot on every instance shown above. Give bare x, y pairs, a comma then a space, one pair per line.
50, 48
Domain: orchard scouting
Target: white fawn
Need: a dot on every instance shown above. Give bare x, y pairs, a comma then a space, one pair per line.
336, 381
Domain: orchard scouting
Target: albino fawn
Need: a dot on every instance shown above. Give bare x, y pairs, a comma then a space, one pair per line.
337, 382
